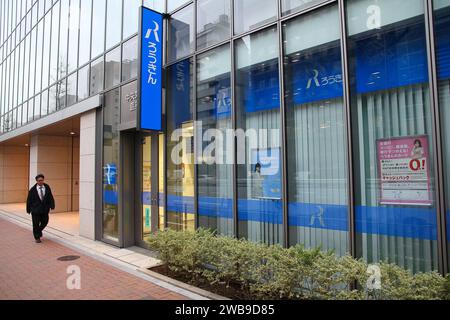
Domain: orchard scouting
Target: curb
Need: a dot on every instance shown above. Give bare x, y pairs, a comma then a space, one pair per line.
183, 285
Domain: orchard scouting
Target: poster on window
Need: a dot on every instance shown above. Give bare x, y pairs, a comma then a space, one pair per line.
266, 174
404, 171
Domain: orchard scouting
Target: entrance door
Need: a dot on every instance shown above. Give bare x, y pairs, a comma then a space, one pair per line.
151, 212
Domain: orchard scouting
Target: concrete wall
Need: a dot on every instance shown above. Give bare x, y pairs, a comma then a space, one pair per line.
87, 174
13, 174
54, 157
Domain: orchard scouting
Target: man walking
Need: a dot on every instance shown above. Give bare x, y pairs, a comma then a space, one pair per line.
40, 201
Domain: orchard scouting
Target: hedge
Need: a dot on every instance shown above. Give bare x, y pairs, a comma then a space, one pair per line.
271, 272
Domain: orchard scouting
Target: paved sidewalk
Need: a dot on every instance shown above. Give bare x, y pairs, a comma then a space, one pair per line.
32, 271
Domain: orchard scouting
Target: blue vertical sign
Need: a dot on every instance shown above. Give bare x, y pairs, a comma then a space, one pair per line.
151, 70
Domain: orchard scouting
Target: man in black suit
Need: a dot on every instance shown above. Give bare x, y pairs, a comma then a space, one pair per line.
40, 201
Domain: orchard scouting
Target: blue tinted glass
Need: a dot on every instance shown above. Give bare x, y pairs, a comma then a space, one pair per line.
394, 175
215, 174
259, 156
180, 151
316, 147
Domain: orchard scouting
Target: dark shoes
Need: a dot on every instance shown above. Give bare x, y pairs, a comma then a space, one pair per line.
38, 241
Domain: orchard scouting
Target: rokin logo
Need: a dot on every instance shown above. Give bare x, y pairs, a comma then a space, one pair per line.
155, 32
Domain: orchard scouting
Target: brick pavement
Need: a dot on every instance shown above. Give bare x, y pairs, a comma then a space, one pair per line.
30, 271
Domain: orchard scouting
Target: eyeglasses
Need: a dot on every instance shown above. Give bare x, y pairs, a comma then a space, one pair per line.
40, 180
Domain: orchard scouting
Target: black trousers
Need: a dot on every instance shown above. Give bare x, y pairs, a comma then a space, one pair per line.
40, 221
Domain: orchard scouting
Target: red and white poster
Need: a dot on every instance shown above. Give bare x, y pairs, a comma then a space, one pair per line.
404, 172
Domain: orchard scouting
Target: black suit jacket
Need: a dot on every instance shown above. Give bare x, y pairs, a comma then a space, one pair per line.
34, 203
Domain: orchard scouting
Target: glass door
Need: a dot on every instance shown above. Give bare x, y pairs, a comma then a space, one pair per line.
146, 187
151, 186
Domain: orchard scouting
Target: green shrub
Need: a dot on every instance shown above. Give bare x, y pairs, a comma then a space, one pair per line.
264, 272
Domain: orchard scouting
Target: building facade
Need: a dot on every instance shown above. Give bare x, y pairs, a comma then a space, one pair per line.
311, 122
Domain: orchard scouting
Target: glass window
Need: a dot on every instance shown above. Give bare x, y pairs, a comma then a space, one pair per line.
26, 67
46, 52
30, 110
113, 23
61, 89
32, 63
215, 173
316, 135
156, 5
130, 59
44, 103
213, 22
52, 98
392, 138
181, 33
73, 35
83, 83
258, 143
251, 14
180, 151
290, 6
442, 31
130, 17
112, 68
39, 44
85, 31
54, 44
37, 107
111, 165
96, 77
24, 113
72, 89
63, 35
98, 27
174, 4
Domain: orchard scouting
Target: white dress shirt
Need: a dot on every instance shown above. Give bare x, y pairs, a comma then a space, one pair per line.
41, 195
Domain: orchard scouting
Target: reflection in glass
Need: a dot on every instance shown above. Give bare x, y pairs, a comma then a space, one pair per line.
61, 89
54, 44
147, 187
52, 97
259, 161
63, 38
251, 14
83, 83
73, 34
112, 68
442, 31
130, 59
215, 182
72, 89
113, 23
98, 27
181, 33
316, 136
174, 4
290, 6
40, 39
395, 202
180, 159
130, 17
46, 52
37, 107
44, 103
26, 67
161, 182
110, 165
85, 31
32, 63
96, 77
156, 5
213, 22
